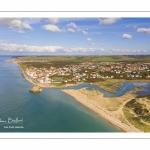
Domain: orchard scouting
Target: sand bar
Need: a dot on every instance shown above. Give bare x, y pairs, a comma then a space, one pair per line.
108, 108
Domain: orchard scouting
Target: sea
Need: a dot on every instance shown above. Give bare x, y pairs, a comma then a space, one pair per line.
49, 111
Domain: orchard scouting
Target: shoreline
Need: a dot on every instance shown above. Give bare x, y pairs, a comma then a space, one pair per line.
100, 111
93, 107
41, 85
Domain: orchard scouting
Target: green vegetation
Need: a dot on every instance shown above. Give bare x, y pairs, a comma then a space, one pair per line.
116, 85
137, 114
108, 89
44, 64
137, 108
69, 69
135, 120
144, 96
23, 67
137, 89
125, 58
57, 79
58, 84
122, 119
106, 86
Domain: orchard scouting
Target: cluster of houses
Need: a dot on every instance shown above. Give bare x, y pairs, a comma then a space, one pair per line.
89, 70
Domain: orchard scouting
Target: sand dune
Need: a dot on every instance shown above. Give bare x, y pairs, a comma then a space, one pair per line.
108, 108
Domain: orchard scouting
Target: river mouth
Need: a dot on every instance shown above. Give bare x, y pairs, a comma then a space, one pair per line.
51, 110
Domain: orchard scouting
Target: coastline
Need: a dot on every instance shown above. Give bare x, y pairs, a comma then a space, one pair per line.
42, 85
35, 82
102, 112
110, 116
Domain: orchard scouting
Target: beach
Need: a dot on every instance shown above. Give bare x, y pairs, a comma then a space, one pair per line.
50, 111
111, 109
108, 108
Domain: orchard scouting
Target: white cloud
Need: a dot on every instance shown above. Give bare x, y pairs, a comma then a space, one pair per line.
71, 30
79, 49
15, 23
138, 50
26, 48
144, 51
127, 36
53, 20
52, 28
72, 24
26, 26
109, 21
84, 32
59, 49
124, 51
89, 39
102, 49
1, 41
31, 20
144, 30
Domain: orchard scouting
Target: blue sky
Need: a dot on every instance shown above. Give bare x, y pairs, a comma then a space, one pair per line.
74, 36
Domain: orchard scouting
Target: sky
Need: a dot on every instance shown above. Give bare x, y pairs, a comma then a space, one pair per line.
74, 36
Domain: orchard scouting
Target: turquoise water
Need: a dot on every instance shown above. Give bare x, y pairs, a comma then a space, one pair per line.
49, 111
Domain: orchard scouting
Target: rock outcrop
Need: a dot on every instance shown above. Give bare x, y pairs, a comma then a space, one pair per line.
35, 89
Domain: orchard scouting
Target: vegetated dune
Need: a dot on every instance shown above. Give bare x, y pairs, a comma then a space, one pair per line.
108, 108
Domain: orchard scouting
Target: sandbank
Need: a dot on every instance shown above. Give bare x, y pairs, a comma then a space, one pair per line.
108, 108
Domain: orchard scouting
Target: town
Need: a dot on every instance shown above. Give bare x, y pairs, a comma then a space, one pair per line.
85, 71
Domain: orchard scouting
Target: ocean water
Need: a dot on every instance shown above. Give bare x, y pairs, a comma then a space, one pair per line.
49, 111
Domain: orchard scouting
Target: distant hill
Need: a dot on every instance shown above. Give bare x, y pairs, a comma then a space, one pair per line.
114, 58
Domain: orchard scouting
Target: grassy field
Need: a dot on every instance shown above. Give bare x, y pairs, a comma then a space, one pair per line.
106, 86
129, 58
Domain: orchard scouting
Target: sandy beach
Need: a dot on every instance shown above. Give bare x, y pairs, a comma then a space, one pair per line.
108, 108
